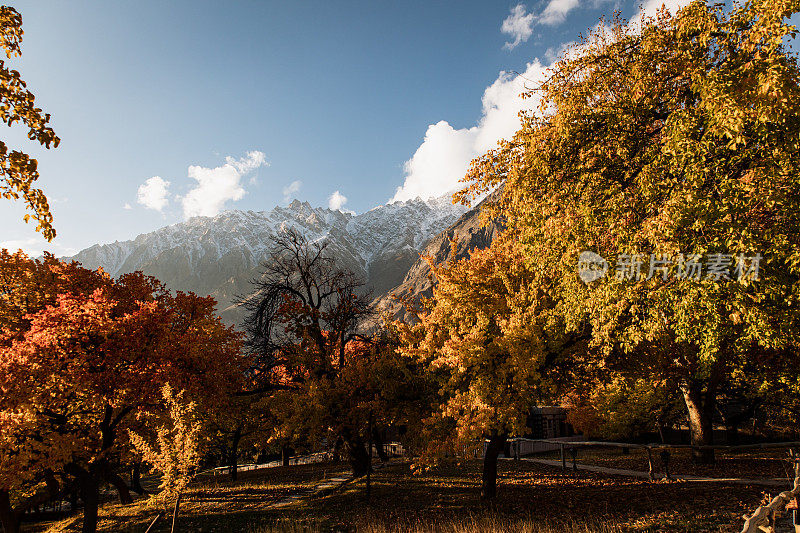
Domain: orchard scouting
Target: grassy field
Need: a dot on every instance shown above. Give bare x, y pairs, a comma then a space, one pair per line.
531, 498
213, 504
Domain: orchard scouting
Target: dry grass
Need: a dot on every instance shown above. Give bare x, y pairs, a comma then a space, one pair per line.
213, 504
531, 499
473, 524
529, 496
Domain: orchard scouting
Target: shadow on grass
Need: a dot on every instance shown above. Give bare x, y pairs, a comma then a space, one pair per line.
531, 498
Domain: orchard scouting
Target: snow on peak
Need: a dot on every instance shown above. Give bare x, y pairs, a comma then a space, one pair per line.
398, 225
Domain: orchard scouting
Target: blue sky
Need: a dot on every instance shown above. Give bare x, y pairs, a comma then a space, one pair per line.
245, 105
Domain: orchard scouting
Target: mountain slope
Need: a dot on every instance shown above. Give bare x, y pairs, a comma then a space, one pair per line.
221, 255
468, 234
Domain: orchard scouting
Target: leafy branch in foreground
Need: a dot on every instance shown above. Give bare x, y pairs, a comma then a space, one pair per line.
18, 171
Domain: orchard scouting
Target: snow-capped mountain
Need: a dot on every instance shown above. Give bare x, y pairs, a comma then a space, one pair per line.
468, 232
221, 255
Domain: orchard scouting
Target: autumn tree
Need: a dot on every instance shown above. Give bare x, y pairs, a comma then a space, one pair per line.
177, 448
485, 337
626, 408
373, 391
245, 422
87, 366
670, 144
309, 347
18, 171
32, 450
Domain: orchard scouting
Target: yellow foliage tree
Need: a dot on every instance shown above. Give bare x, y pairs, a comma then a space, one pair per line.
18, 171
486, 338
623, 408
176, 452
672, 141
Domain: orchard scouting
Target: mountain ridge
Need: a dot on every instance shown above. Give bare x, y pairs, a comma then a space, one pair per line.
466, 234
221, 255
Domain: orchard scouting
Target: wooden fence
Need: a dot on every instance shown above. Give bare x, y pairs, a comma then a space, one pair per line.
519, 447
763, 520
392, 448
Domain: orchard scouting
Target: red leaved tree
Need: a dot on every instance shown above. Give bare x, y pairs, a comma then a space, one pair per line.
84, 367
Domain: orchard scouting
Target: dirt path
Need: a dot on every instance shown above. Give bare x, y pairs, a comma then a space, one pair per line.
320, 489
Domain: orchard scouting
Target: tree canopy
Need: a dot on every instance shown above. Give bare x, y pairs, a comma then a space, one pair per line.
86, 363
677, 142
485, 339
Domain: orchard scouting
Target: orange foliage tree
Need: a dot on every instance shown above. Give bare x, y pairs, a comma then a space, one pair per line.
83, 359
486, 338
371, 389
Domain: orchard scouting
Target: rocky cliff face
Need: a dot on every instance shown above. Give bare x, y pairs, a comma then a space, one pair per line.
468, 234
221, 255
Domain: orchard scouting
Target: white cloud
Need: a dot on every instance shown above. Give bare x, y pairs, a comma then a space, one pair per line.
556, 12
35, 247
153, 193
336, 201
440, 161
444, 156
651, 7
127, 206
290, 190
251, 161
216, 186
518, 25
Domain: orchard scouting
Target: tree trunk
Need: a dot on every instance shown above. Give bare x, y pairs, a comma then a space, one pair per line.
286, 454
73, 499
136, 479
337, 449
121, 486
233, 458
90, 494
358, 457
377, 439
9, 518
701, 429
489, 480
731, 433
89, 479
663, 431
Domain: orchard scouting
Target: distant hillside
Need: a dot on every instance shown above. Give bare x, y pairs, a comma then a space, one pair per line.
221, 255
468, 234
